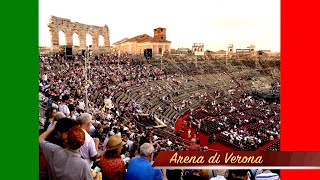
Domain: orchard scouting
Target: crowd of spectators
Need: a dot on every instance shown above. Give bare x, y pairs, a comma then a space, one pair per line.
246, 123
84, 129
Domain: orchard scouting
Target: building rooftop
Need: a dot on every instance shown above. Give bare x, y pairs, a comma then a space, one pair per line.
140, 39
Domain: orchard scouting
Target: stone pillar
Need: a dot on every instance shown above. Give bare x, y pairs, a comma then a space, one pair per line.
75, 50
107, 40
69, 38
95, 43
82, 39
105, 34
54, 36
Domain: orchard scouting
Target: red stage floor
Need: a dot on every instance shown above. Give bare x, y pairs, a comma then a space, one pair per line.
204, 139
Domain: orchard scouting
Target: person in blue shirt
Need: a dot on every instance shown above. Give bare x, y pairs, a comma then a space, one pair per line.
140, 168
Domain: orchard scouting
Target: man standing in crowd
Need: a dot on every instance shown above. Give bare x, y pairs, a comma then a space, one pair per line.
89, 150
128, 141
81, 105
45, 78
141, 168
63, 106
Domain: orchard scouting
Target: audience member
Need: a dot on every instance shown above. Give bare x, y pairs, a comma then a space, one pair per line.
140, 168
111, 163
89, 150
65, 164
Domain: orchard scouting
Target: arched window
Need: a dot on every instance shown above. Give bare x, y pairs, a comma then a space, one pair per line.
88, 39
75, 39
62, 38
101, 40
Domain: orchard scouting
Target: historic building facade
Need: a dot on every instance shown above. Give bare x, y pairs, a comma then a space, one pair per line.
69, 28
136, 45
198, 49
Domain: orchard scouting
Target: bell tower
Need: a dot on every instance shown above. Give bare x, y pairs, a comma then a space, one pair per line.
160, 34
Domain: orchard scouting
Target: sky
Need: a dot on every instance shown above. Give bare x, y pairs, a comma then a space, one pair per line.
216, 23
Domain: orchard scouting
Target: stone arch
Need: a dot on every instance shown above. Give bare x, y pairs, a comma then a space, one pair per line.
62, 38
75, 39
57, 24
101, 41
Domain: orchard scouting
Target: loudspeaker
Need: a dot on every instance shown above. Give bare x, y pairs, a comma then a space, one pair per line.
148, 53
62, 51
68, 51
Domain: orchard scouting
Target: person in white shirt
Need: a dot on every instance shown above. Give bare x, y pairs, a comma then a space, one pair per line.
64, 108
89, 150
45, 77
221, 175
72, 112
81, 105
127, 141
105, 142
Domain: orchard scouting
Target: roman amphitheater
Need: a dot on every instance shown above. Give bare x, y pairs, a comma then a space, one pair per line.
224, 103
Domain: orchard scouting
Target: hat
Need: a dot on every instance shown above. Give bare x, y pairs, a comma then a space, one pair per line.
114, 142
